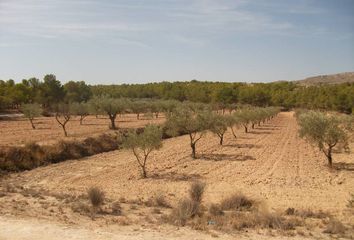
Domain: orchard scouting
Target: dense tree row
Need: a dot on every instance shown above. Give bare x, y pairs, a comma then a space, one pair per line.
48, 92
223, 95
285, 94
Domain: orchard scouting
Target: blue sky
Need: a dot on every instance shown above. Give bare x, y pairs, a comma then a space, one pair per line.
136, 41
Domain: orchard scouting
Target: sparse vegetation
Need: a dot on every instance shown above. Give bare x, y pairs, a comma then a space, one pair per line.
215, 210
33, 155
31, 111
63, 115
237, 201
335, 227
219, 124
191, 120
111, 107
188, 208
80, 109
143, 144
325, 131
117, 209
96, 197
196, 191
236, 212
350, 203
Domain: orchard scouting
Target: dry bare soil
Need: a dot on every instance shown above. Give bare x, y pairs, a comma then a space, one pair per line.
271, 164
19, 131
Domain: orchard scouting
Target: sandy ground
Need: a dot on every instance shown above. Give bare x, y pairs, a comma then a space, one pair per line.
19, 131
271, 163
36, 229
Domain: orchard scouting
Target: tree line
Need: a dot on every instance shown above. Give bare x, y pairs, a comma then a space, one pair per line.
288, 95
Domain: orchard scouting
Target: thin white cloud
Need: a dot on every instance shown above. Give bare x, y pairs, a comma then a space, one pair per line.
186, 21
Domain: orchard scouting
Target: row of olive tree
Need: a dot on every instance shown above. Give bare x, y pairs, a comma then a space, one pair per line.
325, 130
112, 107
197, 120
191, 119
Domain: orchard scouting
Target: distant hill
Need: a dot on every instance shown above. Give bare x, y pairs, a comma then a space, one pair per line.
328, 79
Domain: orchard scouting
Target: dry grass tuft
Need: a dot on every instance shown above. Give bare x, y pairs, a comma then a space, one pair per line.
161, 201
158, 201
156, 211
335, 227
81, 208
263, 219
196, 191
350, 203
308, 213
185, 210
96, 197
215, 210
237, 202
117, 209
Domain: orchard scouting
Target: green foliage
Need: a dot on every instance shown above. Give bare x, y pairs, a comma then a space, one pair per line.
81, 109
189, 119
245, 116
143, 144
339, 97
233, 121
77, 91
111, 107
218, 126
52, 91
324, 130
31, 111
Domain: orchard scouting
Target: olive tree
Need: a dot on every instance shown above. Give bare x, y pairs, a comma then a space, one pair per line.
218, 126
31, 111
112, 107
138, 107
245, 117
94, 106
63, 115
80, 109
324, 130
186, 120
155, 107
143, 144
168, 106
233, 121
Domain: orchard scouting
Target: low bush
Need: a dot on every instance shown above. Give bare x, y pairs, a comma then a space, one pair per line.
33, 155
350, 203
81, 208
196, 191
215, 210
157, 201
308, 213
186, 209
237, 201
335, 227
96, 197
117, 209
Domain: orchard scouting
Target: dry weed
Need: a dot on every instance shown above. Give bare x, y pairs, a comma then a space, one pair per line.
237, 202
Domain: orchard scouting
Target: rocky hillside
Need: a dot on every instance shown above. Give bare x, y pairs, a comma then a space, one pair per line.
328, 79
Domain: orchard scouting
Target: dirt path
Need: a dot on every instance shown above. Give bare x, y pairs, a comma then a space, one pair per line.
30, 229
